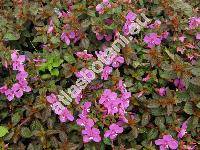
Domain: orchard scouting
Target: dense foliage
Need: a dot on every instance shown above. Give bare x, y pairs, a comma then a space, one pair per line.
147, 97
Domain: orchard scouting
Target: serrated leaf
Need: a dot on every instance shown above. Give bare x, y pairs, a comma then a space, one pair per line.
69, 58
152, 134
11, 36
15, 118
26, 132
3, 131
188, 108
54, 72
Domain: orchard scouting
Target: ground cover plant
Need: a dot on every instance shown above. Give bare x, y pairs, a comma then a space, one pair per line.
145, 95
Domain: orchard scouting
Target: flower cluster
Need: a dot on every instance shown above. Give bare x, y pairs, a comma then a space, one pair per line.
90, 132
59, 109
114, 104
21, 86
129, 24
169, 142
101, 7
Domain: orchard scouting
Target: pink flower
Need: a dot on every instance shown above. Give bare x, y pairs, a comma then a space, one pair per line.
164, 35
156, 24
17, 61
99, 36
180, 49
121, 86
86, 108
152, 39
22, 76
104, 4
91, 134
183, 130
86, 74
9, 94
131, 16
84, 55
66, 115
194, 22
117, 61
179, 84
167, 142
3, 89
57, 107
107, 96
51, 27
113, 131
106, 72
19, 88
198, 36
182, 38
78, 98
161, 91
85, 121
146, 78
52, 98
108, 37
65, 38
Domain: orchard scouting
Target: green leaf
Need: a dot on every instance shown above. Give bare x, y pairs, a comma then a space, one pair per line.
11, 36
54, 72
26, 132
188, 108
152, 134
55, 40
3, 131
107, 141
15, 118
196, 72
69, 58
198, 105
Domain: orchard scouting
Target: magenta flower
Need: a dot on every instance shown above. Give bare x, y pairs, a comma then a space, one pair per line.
131, 16
107, 96
99, 36
179, 84
51, 27
87, 74
104, 4
113, 131
17, 61
22, 76
78, 98
67, 36
194, 22
66, 115
165, 35
117, 61
198, 36
52, 98
162, 91
9, 94
183, 130
86, 108
57, 107
181, 38
84, 55
167, 142
84, 121
154, 25
91, 134
152, 39
3, 89
106, 72
121, 86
